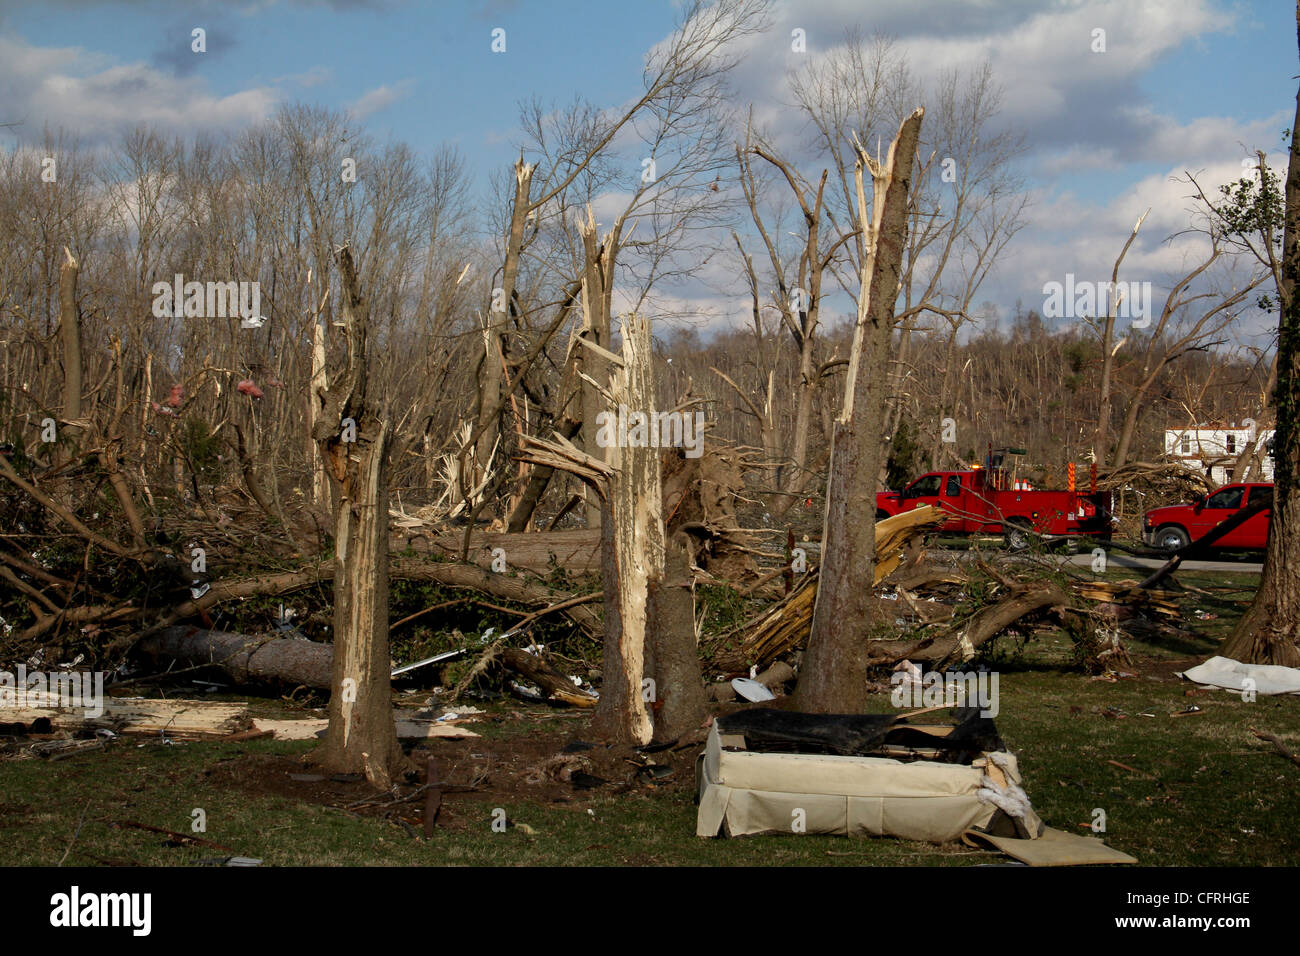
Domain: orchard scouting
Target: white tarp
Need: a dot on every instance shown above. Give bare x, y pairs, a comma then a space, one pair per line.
1224, 672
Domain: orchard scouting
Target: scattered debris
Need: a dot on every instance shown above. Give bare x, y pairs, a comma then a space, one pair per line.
130, 715
1277, 744
751, 690
410, 726
173, 838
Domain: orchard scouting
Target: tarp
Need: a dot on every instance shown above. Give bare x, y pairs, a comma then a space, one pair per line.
1224, 672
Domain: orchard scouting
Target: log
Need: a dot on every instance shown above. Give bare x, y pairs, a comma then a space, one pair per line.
962, 641
245, 657
576, 552
556, 686
175, 718
507, 586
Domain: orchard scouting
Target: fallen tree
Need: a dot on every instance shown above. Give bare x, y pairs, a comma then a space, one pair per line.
508, 587
246, 658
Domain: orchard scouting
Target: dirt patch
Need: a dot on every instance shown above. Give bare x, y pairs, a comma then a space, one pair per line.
1165, 670
529, 766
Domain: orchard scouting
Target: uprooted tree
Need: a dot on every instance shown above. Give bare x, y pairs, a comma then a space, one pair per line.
833, 676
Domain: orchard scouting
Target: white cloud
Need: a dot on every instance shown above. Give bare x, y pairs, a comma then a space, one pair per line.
96, 97
380, 98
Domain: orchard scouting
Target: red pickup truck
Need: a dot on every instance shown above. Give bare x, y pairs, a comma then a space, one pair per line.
981, 503
1176, 526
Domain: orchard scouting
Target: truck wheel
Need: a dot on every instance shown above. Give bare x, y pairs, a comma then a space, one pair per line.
1016, 532
881, 516
1172, 538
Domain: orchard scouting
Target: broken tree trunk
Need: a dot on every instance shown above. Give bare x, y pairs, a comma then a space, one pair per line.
70, 336
833, 677
633, 550
352, 433
320, 486
597, 300
491, 370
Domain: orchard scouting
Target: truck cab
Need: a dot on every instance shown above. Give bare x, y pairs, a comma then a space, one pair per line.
1175, 526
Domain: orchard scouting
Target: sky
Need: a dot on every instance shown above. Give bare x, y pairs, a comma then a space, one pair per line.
1182, 86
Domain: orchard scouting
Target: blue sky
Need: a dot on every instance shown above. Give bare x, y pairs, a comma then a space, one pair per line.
1184, 85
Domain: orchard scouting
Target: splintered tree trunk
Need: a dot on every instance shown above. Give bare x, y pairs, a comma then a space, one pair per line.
70, 336
362, 737
491, 372
672, 656
597, 279
1269, 631
833, 676
320, 488
632, 543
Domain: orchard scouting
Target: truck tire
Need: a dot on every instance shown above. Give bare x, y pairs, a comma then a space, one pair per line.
1016, 533
1172, 537
881, 515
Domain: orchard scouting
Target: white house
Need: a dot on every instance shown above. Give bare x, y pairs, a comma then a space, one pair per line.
1213, 449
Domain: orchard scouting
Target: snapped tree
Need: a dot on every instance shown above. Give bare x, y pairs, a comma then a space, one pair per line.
352, 432
834, 671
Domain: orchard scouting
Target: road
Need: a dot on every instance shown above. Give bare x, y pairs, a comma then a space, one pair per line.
1115, 559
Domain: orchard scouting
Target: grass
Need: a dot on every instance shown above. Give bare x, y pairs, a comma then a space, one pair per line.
1192, 791
1202, 791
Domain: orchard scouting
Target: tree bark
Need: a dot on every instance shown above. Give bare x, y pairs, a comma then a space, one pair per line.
361, 737
491, 371
672, 655
1269, 631
632, 540
245, 657
833, 676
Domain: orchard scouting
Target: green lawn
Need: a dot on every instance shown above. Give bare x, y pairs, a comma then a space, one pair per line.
1193, 790
1205, 792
